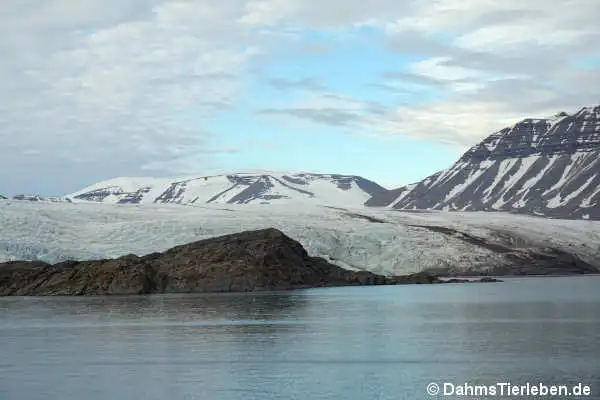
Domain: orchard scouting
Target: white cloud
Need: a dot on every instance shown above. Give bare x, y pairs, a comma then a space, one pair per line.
492, 63
519, 36
434, 68
518, 60
100, 88
120, 88
267, 12
453, 123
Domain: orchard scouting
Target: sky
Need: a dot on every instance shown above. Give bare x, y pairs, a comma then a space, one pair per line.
391, 90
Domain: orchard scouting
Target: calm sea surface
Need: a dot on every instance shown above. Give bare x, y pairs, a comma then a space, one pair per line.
342, 343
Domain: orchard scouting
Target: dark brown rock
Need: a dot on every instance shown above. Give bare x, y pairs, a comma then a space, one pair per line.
247, 261
488, 279
417, 278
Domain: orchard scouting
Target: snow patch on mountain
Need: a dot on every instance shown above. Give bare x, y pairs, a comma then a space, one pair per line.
238, 188
38, 198
540, 166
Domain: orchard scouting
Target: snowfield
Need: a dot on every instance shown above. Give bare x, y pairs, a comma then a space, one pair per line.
268, 187
380, 240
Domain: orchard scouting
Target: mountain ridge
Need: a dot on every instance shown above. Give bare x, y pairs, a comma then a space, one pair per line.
36, 198
545, 167
234, 188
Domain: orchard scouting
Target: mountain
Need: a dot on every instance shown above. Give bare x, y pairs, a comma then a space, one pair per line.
37, 197
3, 197
239, 188
548, 167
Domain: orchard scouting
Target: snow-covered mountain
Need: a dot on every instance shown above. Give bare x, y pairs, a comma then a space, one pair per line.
37, 197
239, 188
548, 167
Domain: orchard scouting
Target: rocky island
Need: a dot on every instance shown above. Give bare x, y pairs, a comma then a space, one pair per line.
263, 259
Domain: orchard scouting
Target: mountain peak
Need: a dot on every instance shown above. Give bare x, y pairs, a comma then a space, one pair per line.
563, 133
541, 166
590, 109
262, 187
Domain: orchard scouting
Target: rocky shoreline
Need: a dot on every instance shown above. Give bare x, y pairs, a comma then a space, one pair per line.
247, 261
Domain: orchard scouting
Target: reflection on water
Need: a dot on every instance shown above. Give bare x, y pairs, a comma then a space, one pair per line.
340, 343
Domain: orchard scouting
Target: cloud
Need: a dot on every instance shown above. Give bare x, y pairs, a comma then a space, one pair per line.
327, 116
455, 124
416, 79
329, 109
310, 84
519, 54
93, 89
488, 64
105, 85
316, 14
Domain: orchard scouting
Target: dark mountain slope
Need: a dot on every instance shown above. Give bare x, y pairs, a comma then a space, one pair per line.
547, 167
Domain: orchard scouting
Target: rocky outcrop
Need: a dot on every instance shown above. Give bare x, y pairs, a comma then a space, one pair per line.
247, 261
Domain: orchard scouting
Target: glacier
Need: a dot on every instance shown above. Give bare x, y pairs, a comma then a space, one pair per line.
385, 241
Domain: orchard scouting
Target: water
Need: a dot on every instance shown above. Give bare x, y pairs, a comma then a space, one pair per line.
340, 343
